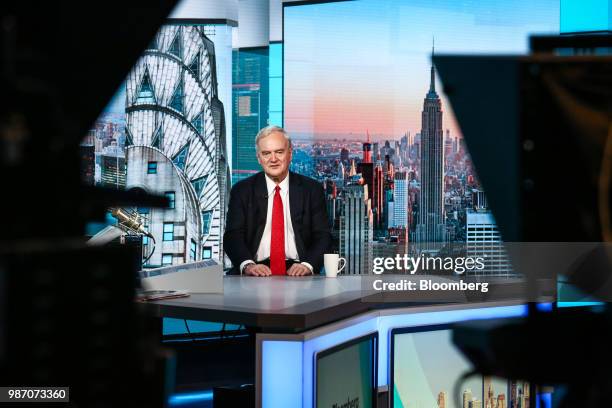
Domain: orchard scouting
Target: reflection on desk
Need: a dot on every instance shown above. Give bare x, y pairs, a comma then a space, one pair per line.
290, 304
276, 302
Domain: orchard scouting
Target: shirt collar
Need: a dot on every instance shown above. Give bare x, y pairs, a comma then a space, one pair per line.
271, 185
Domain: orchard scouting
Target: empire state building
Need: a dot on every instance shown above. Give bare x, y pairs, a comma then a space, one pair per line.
430, 224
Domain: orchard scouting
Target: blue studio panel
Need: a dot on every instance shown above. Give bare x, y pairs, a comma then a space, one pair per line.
585, 15
288, 366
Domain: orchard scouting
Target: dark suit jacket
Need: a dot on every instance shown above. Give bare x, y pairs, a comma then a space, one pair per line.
246, 219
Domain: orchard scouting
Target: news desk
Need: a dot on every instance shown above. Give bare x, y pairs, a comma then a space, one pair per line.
297, 317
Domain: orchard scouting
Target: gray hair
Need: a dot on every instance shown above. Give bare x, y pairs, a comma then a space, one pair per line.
267, 131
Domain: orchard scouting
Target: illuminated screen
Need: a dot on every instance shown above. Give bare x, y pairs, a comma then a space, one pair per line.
426, 367
364, 108
166, 132
345, 375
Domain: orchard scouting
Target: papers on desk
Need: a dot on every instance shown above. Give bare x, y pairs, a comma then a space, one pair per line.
195, 277
148, 295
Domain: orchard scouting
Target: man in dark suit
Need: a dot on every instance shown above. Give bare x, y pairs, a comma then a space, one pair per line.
276, 220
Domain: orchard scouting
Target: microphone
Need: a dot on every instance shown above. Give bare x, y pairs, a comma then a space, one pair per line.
130, 221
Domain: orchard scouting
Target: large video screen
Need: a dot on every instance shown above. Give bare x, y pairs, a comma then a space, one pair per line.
426, 367
346, 374
168, 132
371, 122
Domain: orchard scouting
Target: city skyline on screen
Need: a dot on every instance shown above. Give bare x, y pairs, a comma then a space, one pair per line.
370, 121
363, 66
427, 367
427, 364
368, 118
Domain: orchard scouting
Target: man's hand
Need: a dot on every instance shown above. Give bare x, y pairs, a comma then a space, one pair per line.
298, 270
257, 270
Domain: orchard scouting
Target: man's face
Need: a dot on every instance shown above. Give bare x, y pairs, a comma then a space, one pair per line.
274, 155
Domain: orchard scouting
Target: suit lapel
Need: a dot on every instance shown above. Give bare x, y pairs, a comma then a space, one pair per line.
296, 201
261, 202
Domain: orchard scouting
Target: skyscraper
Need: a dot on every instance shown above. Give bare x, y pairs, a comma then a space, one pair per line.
331, 201
367, 151
341, 172
467, 398
442, 399
400, 199
387, 220
484, 241
489, 393
519, 394
175, 143
353, 170
430, 224
390, 210
479, 200
113, 167
87, 154
250, 100
448, 145
378, 197
344, 155
367, 173
356, 230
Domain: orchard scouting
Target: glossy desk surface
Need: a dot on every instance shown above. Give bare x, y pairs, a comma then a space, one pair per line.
279, 303
276, 303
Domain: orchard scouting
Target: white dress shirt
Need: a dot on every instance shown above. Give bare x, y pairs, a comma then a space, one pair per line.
263, 251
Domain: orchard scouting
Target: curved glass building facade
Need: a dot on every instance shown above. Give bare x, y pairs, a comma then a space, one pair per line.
175, 144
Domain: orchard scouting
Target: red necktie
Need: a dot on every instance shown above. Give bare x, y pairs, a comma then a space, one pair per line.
277, 239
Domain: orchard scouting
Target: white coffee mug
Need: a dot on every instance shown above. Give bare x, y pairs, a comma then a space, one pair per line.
331, 261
